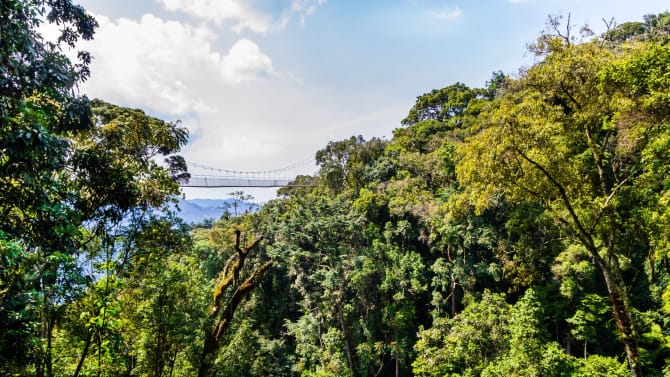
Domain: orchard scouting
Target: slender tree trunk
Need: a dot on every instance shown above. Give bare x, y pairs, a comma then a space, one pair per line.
452, 287
622, 314
50, 322
453, 294
616, 286
101, 330
39, 369
347, 343
99, 339
130, 366
87, 345
43, 362
171, 362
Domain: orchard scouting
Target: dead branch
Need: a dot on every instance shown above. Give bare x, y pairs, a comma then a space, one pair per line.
231, 273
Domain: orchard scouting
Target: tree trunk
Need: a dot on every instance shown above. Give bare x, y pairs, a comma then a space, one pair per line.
453, 294
622, 314
87, 345
49, 359
452, 287
347, 343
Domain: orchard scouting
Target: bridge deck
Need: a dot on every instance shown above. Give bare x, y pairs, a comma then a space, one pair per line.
214, 181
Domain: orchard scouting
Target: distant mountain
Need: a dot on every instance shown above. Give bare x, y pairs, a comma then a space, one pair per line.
197, 210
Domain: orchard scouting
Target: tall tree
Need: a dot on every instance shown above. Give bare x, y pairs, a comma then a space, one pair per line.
573, 133
76, 175
344, 164
38, 112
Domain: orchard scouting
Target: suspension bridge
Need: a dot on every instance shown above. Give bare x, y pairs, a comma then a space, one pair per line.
206, 176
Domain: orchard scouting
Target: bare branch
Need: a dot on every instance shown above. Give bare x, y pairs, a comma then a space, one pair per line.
610, 25
555, 23
231, 272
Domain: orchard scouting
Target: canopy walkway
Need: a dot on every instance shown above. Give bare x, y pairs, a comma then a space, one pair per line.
206, 176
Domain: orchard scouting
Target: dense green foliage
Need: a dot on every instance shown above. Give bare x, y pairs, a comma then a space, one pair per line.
515, 230
78, 225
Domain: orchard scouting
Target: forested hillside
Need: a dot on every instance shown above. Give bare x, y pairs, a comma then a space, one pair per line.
521, 229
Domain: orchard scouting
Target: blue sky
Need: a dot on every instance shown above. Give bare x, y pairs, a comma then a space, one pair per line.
265, 83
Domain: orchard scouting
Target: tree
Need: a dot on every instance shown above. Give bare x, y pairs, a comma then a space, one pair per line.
76, 175
161, 310
464, 344
38, 112
491, 338
318, 239
446, 105
223, 314
344, 164
116, 163
572, 133
590, 311
655, 27
120, 189
238, 197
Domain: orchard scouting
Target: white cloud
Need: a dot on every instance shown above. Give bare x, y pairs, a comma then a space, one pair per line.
245, 61
273, 123
244, 145
241, 14
220, 11
305, 8
162, 65
242, 114
446, 15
